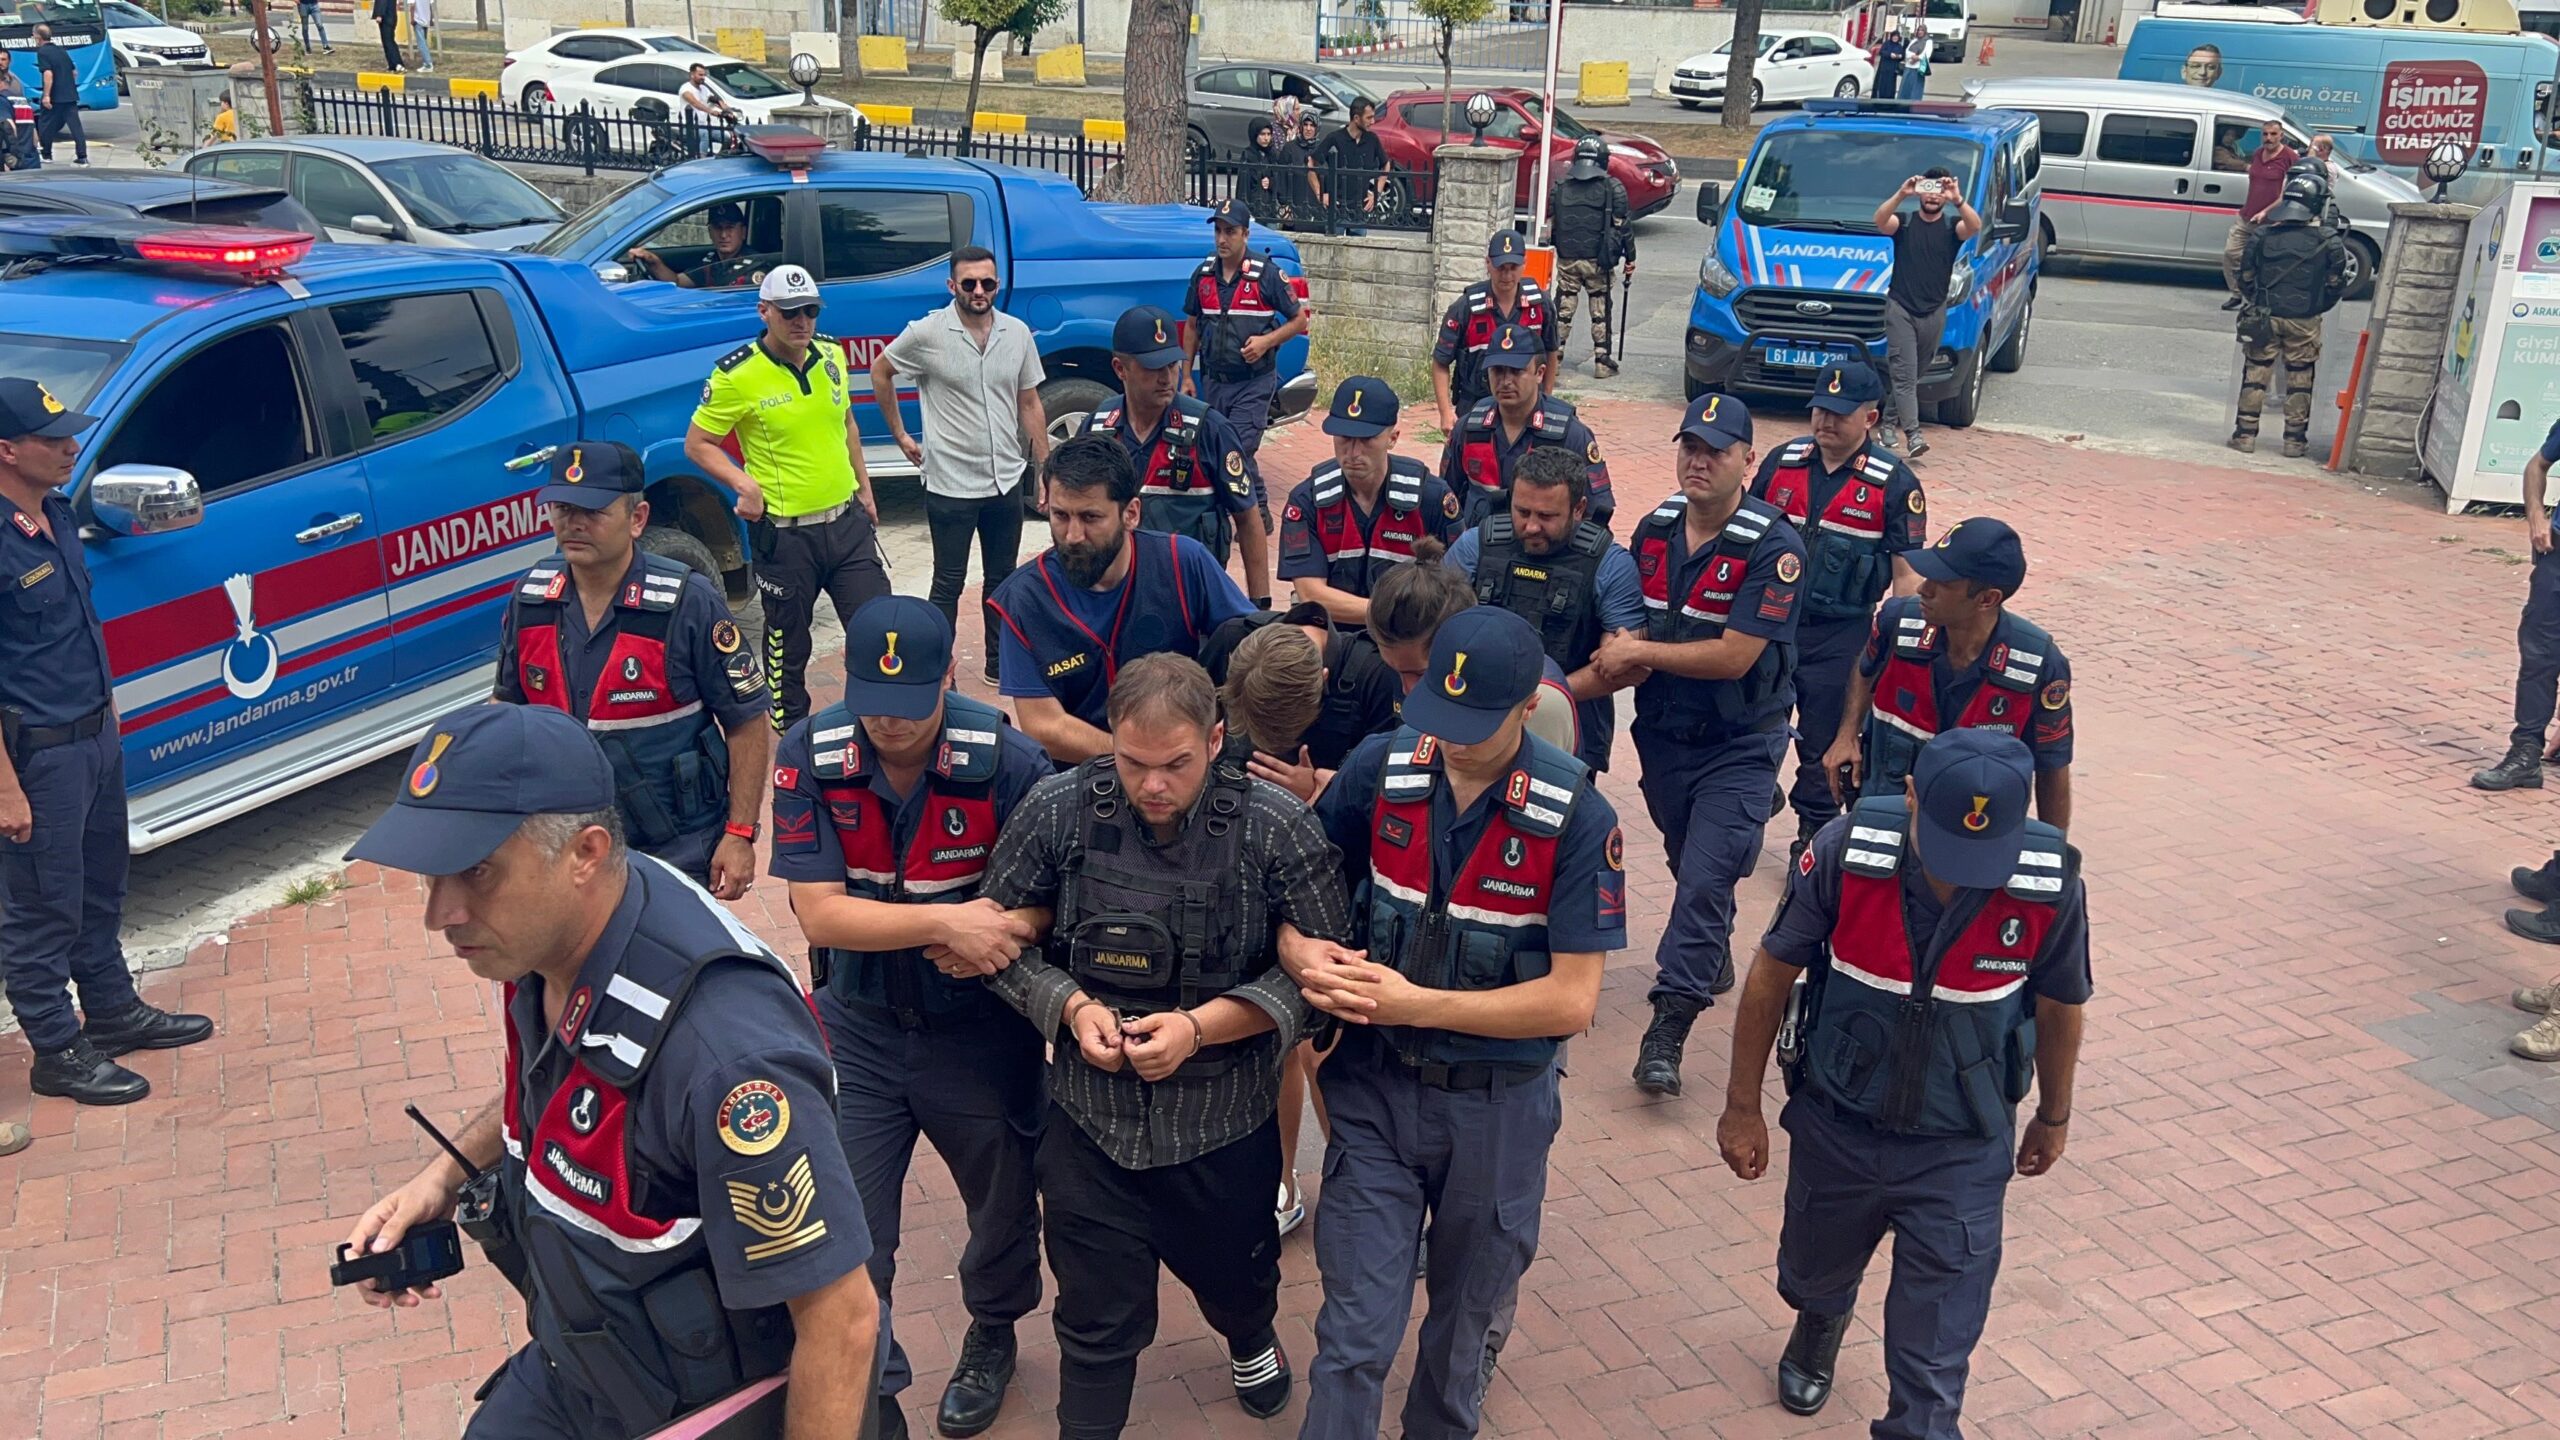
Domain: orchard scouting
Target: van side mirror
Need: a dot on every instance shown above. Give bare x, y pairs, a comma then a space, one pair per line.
2015, 221
1710, 201
145, 499
373, 225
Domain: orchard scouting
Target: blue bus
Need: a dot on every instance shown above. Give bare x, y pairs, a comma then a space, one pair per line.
2384, 94
79, 27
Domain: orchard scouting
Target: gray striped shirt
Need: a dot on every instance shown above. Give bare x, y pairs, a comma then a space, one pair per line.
1292, 873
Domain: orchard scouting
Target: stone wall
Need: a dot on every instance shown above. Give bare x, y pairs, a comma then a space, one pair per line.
1373, 291
1476, 195
2412, 305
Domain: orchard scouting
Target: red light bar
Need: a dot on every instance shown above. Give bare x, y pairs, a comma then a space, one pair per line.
786, 146
248, 252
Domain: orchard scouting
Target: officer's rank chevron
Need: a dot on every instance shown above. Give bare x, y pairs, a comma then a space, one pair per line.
779, 1211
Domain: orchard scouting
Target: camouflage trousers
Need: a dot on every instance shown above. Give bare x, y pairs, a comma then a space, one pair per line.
2297, 343
1572, 278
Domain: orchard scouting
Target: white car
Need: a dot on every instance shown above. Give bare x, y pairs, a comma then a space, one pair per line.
139, 38
613, 69
1792, 65
363, 189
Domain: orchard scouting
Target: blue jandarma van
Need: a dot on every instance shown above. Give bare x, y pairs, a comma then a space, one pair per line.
2386, 93
1796, 272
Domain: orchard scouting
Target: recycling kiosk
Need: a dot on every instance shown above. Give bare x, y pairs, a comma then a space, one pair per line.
2498, 387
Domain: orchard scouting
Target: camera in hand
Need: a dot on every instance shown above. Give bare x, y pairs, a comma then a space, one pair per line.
428, 1253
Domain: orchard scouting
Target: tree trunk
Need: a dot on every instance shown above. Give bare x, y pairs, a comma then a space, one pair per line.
1153, 100
977, 67
1737, 71
848, 37
1447, 34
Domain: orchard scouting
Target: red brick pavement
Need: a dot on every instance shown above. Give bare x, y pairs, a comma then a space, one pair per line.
2269, 1222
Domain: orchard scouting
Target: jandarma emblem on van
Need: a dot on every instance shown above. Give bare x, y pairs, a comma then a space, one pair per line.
1818, 250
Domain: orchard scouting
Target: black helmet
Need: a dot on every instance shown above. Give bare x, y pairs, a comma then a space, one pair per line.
2306, 186
1590, 158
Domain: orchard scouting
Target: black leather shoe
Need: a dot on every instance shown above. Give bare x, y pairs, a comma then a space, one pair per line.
1262, 1381
2231, 304
893, 1421
2542, 925
2542, 886
1812, 1354
1658, 1053
976, 1391
2520, 770
78, 1072
146, 1028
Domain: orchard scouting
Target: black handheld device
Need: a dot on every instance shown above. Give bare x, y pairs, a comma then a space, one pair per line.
476, 1207
428, 1253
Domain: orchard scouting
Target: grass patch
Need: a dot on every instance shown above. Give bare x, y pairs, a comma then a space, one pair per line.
1339, 352
311, 889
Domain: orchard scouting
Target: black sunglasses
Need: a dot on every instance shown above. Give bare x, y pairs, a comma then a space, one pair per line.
976, 286
796, 312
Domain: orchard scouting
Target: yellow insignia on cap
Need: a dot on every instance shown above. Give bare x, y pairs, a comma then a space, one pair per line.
424, 779
1456, 684
577, 470
1354, 408
1506, 339
1160, 332
51, 405
1976, 819
890, 664
1835, 382
1714, 403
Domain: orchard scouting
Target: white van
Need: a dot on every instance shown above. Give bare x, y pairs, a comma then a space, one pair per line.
2144, 171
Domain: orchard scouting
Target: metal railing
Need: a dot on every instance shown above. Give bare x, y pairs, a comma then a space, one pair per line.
584, 138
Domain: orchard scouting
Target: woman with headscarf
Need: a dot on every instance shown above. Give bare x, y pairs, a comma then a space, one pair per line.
1915, 66
1258, 175
1303, 189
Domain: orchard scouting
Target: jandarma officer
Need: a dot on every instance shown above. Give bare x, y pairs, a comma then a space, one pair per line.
1362, 511
1497, 885
1166, 875
668, 1163
62, 803
641, 648
886, 807
1193, 476
1242, 311
1505, 296
1485, 447
1936, 948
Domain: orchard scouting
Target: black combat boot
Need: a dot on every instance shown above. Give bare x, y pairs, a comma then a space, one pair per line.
1658, 1054
2540, 925
978, 1381
2539, 886
1812, 1354
145, 1027
78, 1072
2521, 770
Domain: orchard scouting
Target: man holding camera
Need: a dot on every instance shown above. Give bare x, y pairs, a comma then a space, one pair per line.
1924, 263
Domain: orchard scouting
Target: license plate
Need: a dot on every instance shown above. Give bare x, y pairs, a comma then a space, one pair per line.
1799, 358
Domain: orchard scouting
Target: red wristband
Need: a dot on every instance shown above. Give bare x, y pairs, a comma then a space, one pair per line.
743, 832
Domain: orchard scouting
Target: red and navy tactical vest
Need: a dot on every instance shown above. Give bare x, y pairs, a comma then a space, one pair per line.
1905, 715
670, 764
1481, 462
1227, 321
1846, 568
941, 864
1679, 704
1930, 1038
620, 1290
1354, 559
1078, 664
1489, 929
1477, 323
1175, 495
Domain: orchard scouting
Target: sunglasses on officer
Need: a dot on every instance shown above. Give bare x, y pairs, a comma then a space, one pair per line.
796, 312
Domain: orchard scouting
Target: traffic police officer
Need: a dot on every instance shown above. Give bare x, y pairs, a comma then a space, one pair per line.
808, 508
641, 648
1954, 656
1497, 886
1720, 573
685, 1217
1916, 979
1242, 311
1859, 510
885, 808
1104, 593
1593, 233
62, 802
1166, 874
1364, 510
1484, 449
1545, 561
1468, 327
1193, 478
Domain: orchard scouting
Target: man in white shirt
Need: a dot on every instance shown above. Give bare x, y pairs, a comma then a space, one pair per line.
422, 20
978, 375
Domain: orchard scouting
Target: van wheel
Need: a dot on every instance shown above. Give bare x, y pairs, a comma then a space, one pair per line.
668, 542
2012, 356
1069, 403
2363, 264
1957, 411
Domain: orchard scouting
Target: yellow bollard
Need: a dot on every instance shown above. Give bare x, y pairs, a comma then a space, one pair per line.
1062, 66
1604, 82
881, 54
740, 43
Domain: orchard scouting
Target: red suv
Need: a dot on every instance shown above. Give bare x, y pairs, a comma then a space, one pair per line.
1410, 130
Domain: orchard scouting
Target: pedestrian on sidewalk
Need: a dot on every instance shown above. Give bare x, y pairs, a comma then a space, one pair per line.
977, 374
1924, 262
2267, 166
58, 99
1916, 65
386, 23
1889, 58
62, 799
422, 29
2293, 273
308, 22
2537, 647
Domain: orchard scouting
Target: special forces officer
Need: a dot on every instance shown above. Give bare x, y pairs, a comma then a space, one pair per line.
1163, 877
1193, 479
62, 805
1938, 961
686, 1220
1497, 886
1859, 510
1953, 656
1352, 518
641, 649
1484, 449
802, 492
1592, 234
1467, 329
1547, 562
885, 808
1717, 658
1242, 311
1103, 594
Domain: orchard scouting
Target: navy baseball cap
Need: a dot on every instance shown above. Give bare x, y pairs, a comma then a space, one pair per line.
1717, 420
591, 474
897, 658
1485, 662
728, 212
1507, 247
1982, 550
1149, 335
1514, 347
1362, 406
27, 408
1231, 213
1972, 786
481, 772
1846, 387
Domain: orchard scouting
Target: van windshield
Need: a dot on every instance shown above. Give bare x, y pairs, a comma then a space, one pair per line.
1835, 179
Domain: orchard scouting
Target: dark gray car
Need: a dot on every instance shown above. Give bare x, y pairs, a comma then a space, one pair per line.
1226, 100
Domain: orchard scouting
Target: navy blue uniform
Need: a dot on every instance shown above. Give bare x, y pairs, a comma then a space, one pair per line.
2021, 683
1478, 459
1065, 642
1939, 1190
1194, 477
917, 1052
62, 889
1227, 312
1325, 535
1457, 1149
2538, 636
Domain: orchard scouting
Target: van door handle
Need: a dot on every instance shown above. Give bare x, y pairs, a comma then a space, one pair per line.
2182, 185
327, 529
